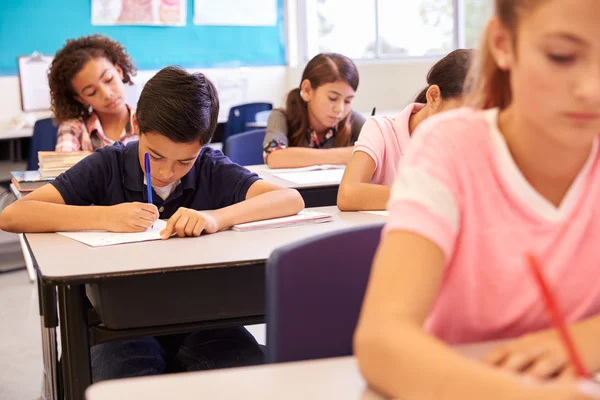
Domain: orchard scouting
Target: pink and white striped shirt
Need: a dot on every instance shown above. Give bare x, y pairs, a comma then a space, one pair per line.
459, 187
79, 135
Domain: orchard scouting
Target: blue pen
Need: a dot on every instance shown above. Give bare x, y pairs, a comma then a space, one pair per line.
148, 178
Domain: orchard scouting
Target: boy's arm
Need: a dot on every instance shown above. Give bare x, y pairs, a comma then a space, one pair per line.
263, 201
44, 210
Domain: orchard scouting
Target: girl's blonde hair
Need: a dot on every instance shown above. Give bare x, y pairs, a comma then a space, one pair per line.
488, 86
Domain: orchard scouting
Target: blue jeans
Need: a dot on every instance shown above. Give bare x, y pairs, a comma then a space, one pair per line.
222, 348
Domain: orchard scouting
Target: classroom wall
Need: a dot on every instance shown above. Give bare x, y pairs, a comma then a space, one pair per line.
264, 84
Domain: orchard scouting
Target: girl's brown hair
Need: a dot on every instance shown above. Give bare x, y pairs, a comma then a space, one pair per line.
70, 60
323, 68
449, 75
487, 85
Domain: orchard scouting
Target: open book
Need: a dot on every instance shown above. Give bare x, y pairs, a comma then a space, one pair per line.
302, 218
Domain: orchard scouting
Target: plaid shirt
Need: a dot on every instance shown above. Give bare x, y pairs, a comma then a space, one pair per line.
80, 135
313, 142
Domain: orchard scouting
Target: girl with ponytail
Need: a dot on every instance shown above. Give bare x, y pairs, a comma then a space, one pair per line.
383, 140
317, 125
479, 189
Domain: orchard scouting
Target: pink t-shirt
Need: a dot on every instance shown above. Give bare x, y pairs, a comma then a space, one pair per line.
385, 139
459, 187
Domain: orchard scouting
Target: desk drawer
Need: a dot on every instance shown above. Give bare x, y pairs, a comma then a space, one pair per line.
179, 297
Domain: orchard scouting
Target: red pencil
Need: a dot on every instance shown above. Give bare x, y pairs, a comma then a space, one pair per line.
557, 317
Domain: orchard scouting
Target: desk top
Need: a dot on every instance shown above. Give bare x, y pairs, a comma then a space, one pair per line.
332, 378
6, 134
61, 259
268, 175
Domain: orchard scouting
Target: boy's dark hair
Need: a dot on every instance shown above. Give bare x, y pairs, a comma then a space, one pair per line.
449, 74
181, 106
70, 60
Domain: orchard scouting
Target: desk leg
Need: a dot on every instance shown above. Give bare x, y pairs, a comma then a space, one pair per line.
48, 321
27, 257
76, 368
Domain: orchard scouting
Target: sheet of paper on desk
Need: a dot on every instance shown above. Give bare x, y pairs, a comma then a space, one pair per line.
302, 218
103, 238
333, 176
321, 167
383, 213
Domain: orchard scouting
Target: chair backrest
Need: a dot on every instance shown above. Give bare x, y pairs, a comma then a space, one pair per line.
239, 116
43, 139
246, 148
315, 290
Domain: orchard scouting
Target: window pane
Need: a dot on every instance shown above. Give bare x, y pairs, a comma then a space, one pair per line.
347, 27
477, 13
416, 27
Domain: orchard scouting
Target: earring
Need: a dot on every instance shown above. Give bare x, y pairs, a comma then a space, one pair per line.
301, 94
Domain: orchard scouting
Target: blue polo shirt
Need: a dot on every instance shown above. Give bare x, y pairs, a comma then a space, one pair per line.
113, 175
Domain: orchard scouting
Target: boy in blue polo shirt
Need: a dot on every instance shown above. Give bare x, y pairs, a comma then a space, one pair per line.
197, 189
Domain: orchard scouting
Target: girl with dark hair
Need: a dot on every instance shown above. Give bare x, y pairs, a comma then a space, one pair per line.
87, 93
371, 171
318, 125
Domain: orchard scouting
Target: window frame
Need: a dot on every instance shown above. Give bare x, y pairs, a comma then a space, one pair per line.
308, 43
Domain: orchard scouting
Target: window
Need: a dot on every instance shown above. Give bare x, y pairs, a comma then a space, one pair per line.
381, 29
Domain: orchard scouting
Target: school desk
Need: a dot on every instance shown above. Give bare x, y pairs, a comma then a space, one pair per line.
157, 287
315, 194
330, 378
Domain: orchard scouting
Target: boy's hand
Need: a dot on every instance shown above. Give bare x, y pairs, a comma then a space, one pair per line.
540, 355
187, 222
131, 217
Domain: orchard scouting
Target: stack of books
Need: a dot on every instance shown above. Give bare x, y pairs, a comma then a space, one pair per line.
53, 163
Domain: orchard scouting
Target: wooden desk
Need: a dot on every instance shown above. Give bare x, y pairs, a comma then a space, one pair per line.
67, 266
314, 194
331, 378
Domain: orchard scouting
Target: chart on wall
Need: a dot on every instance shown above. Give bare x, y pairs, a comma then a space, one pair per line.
235, 12
139, 12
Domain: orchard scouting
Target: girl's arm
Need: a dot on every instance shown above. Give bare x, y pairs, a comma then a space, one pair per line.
356, 193
399, 359
295, 157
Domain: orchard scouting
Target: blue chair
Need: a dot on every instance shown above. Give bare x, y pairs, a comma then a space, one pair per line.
43, 139
239, 116
247, 148
315, 290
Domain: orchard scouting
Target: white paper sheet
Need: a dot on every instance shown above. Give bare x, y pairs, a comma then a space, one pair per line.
33, 78
235, 12
382, 213
103, 238
321, 167
333, 176
302, 218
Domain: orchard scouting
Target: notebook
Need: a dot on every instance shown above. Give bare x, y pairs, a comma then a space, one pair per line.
104, 238
328, 176
302, 218
383, 213
27, 181
321, 167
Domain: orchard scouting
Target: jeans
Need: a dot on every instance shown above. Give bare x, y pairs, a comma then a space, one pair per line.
221, 348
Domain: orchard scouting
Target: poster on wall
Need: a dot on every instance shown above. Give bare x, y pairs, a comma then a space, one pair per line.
235, 12
139, 12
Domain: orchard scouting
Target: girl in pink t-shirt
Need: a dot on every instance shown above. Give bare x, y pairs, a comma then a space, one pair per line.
476, 191
383, 140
